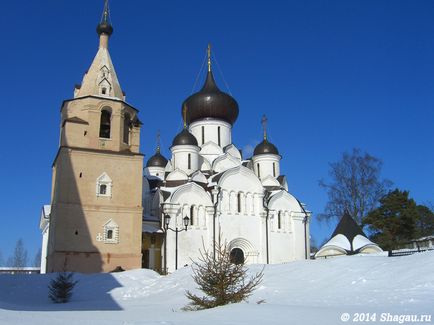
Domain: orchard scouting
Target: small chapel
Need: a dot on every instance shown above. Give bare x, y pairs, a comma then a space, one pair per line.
109, 211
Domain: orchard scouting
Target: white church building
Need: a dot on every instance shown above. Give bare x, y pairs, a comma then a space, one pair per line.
207, 190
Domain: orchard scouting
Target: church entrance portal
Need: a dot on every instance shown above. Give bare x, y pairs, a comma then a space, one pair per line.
237, 256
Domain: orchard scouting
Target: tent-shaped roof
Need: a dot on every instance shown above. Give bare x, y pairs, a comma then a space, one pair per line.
349, 228
347, 239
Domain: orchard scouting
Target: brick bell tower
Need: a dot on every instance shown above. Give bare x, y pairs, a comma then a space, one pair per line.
96, 202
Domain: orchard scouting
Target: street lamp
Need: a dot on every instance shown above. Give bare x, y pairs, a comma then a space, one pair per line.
186, 221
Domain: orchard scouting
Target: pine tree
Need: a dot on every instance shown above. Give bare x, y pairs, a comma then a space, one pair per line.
222, 281
394, 221
60, 288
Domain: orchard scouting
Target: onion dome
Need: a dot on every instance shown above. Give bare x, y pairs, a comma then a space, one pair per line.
211, 102
184, 138
265, 148
104, 27
157, 160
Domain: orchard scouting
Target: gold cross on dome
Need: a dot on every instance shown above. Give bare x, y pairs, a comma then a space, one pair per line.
158, 141
264, 122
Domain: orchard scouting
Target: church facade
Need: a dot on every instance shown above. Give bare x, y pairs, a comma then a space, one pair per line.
107, 211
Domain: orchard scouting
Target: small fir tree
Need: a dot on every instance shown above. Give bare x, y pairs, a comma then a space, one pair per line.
60, 288
221, 280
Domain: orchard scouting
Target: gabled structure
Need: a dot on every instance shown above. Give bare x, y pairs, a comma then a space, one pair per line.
347, 239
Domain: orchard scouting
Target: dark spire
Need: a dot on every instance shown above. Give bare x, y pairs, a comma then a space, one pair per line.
105, 27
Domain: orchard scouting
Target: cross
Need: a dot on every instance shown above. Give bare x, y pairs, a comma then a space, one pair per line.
158, 141
184, 115
264, 121
106, 11
99, 237
209, 57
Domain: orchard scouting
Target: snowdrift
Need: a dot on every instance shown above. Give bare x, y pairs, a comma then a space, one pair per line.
303, 292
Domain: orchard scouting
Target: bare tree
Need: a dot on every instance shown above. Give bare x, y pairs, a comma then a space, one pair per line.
19, 259
2, 261
37, 259
221, 280
355, 186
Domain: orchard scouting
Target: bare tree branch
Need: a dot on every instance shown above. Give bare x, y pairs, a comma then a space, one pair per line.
355, 186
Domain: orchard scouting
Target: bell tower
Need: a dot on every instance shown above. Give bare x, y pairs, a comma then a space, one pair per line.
96, 213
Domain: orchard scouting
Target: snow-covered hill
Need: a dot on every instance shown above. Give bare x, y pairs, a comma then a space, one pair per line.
305, 292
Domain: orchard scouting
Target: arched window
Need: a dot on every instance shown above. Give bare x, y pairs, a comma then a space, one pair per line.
127, 125
279, 220
274, 169
192, 216
104, 128
259, 170
203, 134
110, 234
103, 189
237, 256
239, 202
189, 161
218, 136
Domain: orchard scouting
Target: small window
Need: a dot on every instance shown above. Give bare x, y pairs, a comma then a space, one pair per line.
189, 161
274, 169
279, 220
239, 202
192, 216
103, 189
259, 170
218, 136
203, 134
111, 232
104, 185
104, 91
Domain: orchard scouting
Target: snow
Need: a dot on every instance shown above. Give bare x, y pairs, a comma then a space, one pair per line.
361, 241
302, 292
339, 241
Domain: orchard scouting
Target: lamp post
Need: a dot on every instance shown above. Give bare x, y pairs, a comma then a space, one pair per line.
186, 221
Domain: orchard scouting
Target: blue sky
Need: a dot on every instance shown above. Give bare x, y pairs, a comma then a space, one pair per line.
330, 75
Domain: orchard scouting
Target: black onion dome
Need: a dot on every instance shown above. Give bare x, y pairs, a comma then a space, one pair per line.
104, 28
210, 102
265, 147
184, 138
157, 160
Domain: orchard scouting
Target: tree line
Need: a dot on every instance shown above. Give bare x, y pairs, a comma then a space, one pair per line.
20, 257
388, 214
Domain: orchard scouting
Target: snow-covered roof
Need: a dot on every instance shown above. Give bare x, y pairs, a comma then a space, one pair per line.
348, 238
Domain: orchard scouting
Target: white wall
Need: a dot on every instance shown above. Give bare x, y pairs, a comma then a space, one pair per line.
180, 158
209, 128
266, 166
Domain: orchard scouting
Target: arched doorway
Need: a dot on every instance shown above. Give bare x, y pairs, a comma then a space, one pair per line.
237, 256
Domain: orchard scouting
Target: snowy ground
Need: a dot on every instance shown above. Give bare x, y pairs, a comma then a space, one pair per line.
305, 292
